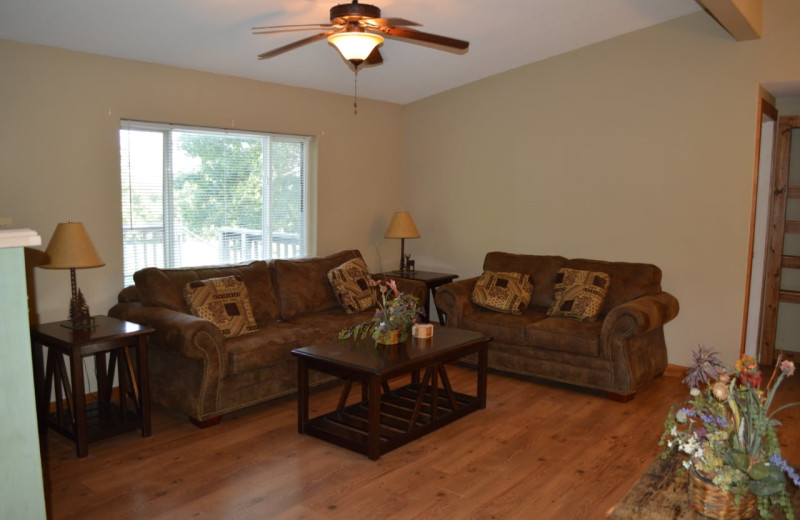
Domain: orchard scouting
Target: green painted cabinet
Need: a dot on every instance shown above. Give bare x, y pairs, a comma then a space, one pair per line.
21, 485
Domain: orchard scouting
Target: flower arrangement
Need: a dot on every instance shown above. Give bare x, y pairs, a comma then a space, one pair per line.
396, 311
728, 431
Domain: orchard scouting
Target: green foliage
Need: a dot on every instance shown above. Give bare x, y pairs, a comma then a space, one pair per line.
226, 187
726, 428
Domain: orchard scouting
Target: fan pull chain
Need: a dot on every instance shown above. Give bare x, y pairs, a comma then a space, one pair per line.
355, 94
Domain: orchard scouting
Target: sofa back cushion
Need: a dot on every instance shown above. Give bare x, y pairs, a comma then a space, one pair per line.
302, 284
628, 280
541, 269
164, 287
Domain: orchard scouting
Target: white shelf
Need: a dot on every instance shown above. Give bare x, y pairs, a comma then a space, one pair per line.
19, 238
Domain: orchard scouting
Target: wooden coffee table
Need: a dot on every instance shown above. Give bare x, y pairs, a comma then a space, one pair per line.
385, 419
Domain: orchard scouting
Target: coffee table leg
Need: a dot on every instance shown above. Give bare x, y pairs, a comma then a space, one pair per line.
483, 370
302, 395
374, 427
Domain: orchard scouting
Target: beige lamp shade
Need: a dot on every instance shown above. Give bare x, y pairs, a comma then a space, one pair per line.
71, 248
401, 226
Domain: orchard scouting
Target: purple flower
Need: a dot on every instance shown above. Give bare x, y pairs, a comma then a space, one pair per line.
786, 468
706, 365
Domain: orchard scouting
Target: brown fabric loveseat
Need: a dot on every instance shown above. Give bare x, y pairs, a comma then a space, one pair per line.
618, 352
195, 370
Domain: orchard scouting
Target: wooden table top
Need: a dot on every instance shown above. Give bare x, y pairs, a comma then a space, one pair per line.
364, 356
106, 328
423, 276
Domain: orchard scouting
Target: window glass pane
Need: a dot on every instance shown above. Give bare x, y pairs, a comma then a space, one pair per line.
202, 197
142, 173
217, 197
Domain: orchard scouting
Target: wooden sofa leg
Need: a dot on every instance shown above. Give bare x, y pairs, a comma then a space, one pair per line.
620, 398
213, 421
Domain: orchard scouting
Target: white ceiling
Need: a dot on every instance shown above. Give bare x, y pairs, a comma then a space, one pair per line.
215, 36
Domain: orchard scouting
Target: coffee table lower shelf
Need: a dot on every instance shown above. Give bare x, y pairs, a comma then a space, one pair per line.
399, 424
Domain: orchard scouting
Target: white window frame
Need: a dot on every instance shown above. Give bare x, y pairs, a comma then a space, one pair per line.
170, 256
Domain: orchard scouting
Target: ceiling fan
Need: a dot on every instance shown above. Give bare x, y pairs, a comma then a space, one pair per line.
357, 30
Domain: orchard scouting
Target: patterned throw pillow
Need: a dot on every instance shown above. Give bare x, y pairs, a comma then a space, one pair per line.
223, 302
351, 284
503, 292
579, 294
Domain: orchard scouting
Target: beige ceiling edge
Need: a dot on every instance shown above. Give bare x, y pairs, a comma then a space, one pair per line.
741, 18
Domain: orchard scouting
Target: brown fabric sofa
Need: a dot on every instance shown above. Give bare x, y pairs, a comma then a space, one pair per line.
195, 370
619, 352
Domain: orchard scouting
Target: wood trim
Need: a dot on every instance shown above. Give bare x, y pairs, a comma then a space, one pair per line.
741, 18
675, 370
792, 226
772, 287
765, 108
790, 262
789, 296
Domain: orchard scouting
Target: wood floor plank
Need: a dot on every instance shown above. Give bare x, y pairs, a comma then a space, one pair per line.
538, 450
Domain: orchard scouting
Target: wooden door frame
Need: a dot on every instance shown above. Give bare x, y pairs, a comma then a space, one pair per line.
777, 228
765, 107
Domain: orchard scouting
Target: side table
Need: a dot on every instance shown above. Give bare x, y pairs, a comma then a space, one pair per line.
73, 417
432, 281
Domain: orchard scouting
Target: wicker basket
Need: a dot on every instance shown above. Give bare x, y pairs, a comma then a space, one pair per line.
390, 337
709, 500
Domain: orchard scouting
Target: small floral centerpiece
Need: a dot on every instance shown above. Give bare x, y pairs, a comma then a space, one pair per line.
393, 318
728, 431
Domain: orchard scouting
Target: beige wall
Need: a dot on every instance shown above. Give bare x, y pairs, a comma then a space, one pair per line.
59, 156
640, 148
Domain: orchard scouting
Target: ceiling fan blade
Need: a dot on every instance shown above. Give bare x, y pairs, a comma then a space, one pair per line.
449, 44
309, 25
294, 29
388, 22
295, 45
374, 57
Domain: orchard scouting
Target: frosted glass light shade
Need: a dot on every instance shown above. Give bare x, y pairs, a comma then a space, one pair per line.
355, 45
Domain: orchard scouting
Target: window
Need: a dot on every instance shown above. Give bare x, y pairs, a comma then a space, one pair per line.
203, 196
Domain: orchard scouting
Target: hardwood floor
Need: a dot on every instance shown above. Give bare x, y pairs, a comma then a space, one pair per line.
538, 451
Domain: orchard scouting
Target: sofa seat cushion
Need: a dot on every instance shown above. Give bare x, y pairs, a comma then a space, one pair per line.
508, 328
331, 321
266, 347
565, 335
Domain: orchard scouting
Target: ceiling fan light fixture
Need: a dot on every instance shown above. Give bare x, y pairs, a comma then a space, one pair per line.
355, 46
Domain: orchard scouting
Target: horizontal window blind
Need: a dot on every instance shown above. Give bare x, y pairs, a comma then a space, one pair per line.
197, 196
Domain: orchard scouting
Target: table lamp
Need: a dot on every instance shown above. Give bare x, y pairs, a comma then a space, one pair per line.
402, 227
70, 248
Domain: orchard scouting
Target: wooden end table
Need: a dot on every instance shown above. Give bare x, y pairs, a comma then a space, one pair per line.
73, 417
432, 281
386, 419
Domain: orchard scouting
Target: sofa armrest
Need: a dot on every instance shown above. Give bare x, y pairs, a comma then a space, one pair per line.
454, 298
640, 316
183, 334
